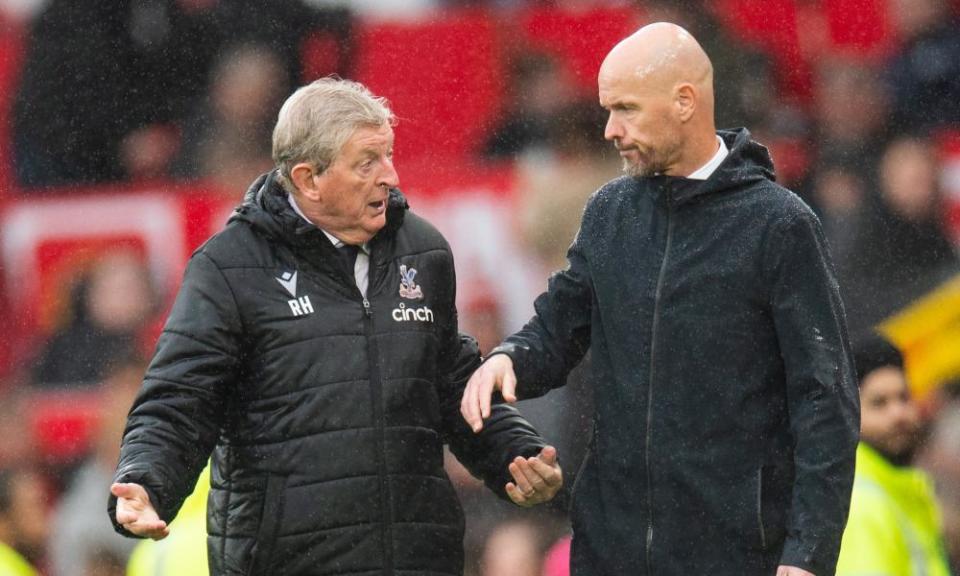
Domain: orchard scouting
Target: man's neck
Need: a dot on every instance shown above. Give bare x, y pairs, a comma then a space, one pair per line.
701, 152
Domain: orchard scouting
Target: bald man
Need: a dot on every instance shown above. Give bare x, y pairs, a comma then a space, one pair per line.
727, 412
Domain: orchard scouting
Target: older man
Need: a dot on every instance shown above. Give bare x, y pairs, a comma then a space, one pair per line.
313, 348
726, 408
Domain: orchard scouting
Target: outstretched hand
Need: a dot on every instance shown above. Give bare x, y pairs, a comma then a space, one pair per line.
536, 480
135, 512
494, 374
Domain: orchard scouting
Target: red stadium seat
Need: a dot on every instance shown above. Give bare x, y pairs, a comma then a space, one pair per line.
859, 27
772, 26
62, 423
443, 78
579, 38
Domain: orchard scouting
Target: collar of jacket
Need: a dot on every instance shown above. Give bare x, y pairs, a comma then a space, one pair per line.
748, 162
265, 206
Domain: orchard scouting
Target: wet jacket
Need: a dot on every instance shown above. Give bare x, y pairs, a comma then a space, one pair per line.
328, 410
894, 527
726, 410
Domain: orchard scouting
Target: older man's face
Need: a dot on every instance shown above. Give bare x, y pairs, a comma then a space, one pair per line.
355, 187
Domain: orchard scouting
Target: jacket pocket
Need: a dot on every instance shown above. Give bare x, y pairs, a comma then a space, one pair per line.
271, 517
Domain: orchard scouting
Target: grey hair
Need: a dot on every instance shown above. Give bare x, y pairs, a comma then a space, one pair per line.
317, 120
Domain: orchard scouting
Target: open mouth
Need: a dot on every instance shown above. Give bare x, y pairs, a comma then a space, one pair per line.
378, 205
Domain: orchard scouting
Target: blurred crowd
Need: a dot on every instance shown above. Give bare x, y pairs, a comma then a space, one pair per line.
129, 91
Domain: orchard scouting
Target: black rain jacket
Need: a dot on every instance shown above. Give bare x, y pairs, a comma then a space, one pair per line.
727, 411
326, 411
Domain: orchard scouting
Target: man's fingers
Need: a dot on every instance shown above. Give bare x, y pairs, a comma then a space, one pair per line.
551, 475
516, 495
508, 387
486, 387
470, 405
548, 455
521, 479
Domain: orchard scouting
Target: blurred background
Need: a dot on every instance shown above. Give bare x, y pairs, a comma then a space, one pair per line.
129, 129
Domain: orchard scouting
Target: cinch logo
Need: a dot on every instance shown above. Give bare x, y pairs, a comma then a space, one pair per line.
404, 314
301, 306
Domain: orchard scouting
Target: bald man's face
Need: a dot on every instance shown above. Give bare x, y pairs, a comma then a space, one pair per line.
642, 123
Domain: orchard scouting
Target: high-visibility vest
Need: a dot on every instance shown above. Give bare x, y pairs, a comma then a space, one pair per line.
184, 551
13, 564
894, 524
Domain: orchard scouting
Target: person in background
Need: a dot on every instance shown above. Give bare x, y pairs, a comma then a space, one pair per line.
726, 412
81, 534
23, 521
111, 306
901, 244
314, 350
894, 525
227, 143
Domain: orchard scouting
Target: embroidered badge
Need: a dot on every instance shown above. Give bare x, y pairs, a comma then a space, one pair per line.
408, 288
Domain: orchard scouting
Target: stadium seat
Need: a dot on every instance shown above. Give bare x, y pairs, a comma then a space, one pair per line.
579, 38
443, 78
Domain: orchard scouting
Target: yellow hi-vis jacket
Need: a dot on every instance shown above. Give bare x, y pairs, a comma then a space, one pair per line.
184, 551
894, 524
13, 564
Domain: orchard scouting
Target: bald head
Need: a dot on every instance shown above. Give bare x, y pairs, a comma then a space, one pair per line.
658, 85
659, 56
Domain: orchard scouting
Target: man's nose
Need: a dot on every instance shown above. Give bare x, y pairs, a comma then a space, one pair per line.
612, 130
389, 176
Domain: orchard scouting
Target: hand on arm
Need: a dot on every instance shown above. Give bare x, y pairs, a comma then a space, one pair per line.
536, 480
495, 374
135, 512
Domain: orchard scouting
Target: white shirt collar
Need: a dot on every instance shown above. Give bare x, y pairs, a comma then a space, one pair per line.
707, 169
336, 241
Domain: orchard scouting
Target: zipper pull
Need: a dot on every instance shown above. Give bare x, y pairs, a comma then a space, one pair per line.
366, 308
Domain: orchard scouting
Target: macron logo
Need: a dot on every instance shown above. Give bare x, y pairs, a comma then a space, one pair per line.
299, 306
289, 281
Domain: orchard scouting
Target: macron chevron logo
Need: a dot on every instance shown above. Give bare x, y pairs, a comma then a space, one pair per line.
289, 281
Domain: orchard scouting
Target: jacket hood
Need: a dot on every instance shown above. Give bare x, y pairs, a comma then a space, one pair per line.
747, 162
266, 208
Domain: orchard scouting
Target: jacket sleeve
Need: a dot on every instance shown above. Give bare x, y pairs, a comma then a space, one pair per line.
822, 395
176, 418
505, 435
555, 340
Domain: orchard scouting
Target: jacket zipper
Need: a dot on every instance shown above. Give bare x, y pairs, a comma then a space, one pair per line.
386, 524
653, 347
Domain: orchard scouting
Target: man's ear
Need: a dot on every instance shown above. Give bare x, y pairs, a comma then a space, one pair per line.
306, 180
685, 100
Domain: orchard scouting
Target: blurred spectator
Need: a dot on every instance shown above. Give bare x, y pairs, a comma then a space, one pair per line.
838, 193
23, 520
940, 457
228, 140
111, 306
902, 251
82, 536
743, 75
851, 110
540, 91
894, 523
97, 73
924, 75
